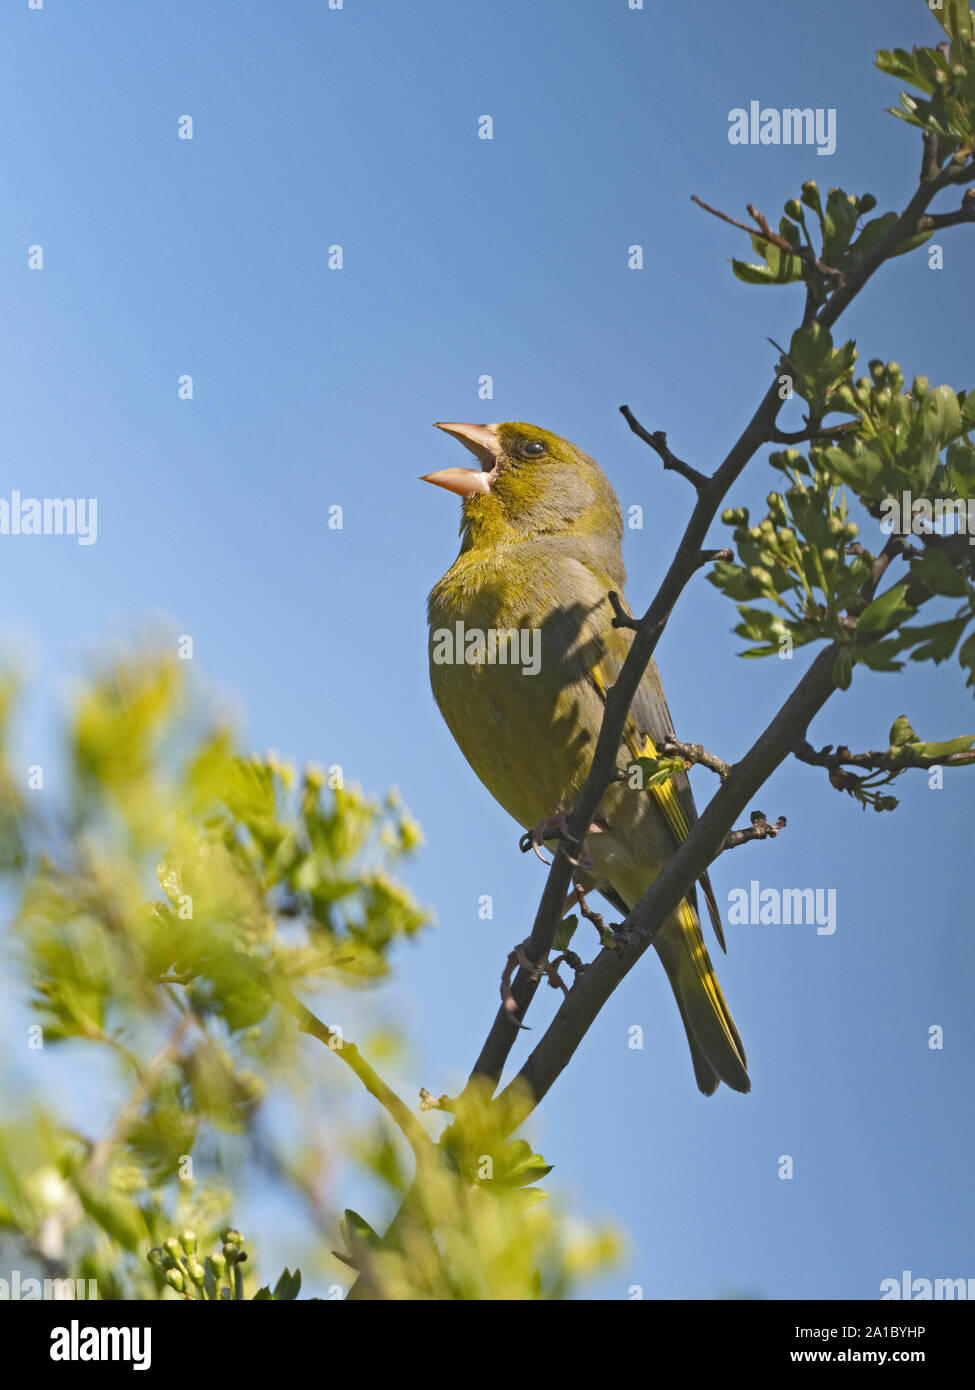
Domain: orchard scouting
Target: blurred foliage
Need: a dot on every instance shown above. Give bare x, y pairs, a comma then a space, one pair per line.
158, 906
495, 1235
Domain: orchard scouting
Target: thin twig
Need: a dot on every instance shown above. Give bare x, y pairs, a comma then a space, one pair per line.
764, 231
814, 430
658, 442
694, 753
760, 829
834, 760
621, 617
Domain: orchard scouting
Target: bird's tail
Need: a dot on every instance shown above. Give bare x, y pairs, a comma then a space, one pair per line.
716, 1048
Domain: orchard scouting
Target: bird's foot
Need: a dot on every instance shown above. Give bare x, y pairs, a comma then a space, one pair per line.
520, 958
557, 828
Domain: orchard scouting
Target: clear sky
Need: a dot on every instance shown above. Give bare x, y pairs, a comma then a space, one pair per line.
316, 387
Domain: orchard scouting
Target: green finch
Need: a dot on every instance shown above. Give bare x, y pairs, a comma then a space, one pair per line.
522, 653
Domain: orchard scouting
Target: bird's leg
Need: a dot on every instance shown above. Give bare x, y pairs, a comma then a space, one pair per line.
557, 828
519, 957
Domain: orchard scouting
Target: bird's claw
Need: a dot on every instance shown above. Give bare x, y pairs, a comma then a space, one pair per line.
557, 828
520, 958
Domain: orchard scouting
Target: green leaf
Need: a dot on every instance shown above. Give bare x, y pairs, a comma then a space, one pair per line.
879, 656
955, 18
287, 1286
657, 771
939, 575
911, 243
966, 658
810, 348
960, 461
843, 670
766, 275
565, 932
947, 749
860, 468
886, 611
941, 639
901, 732
873, 232
839, 223
939, 416
966, 401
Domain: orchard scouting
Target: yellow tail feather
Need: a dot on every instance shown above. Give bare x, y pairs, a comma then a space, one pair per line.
716, 1048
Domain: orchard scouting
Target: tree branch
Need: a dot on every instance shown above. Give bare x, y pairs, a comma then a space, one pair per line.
689, 557
705, 841
658, 442
906, 226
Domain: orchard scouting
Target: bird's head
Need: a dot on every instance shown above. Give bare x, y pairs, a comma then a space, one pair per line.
529, 482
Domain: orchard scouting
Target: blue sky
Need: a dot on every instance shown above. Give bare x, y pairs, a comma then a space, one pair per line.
316, 387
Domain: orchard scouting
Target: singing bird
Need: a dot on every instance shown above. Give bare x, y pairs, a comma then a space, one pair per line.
541, 535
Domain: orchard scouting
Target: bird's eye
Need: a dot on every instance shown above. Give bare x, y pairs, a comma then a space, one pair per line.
532, 448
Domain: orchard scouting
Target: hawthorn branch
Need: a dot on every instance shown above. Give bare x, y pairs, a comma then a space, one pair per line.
961, 170
762, 229
658, 442
934, 222
835, 760
594, 986
687, 560
909, 222
591, 990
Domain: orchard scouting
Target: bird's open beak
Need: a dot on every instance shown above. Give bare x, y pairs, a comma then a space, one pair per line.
482, 440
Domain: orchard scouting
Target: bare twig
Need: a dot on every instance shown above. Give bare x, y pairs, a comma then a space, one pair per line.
707, 557
621, 617
814, 430
760, 829
658, 442
596, 918
763, 230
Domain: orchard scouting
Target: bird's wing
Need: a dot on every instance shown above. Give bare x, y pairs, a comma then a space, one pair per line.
647, 726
